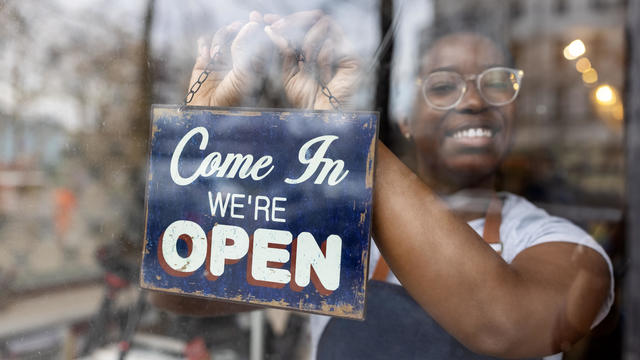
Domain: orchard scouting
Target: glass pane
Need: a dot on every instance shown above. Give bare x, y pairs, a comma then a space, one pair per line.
76, 90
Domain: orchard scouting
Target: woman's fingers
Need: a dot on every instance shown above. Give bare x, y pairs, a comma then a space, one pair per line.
325, 62
294, 27
220, 49
241, 53
251, 49
291, 33
315, 40
203, 53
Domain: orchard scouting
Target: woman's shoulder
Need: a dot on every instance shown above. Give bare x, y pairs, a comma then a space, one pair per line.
516, 205
524, 225
521, 215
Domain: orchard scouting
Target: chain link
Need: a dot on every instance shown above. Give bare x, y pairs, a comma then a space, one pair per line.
335, 103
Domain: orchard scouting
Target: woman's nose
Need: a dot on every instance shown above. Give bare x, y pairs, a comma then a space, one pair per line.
471, 101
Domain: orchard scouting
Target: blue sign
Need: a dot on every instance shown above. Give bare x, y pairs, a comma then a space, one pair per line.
261, 206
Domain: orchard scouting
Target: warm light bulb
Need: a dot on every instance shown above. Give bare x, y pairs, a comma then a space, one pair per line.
574, 50
605, 95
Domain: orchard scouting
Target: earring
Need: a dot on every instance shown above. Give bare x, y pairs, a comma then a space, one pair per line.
407, 136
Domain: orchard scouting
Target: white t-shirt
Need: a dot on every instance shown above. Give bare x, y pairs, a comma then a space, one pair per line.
523, 225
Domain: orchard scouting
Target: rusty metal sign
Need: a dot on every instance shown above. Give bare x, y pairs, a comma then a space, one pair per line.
261, 206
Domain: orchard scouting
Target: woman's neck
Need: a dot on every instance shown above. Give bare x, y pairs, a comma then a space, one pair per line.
468, 197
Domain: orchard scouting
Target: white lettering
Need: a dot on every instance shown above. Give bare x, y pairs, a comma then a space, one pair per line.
264, 208
262, 254
198, 246
221, 252
233, 164
309, 254
236, 205
275, 208
218, 203
333, 168
175, 158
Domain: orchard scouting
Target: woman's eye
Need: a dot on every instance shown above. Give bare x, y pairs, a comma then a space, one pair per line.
497, 85
442, 88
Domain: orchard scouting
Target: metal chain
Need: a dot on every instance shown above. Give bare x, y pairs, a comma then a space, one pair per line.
335, 103
198, 83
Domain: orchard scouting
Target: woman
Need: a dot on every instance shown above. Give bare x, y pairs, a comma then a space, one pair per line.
541, 286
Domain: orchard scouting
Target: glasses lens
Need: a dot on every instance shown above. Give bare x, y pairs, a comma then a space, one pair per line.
443, 89
499, 86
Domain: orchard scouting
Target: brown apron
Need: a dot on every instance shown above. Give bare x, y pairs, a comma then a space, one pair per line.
396, 327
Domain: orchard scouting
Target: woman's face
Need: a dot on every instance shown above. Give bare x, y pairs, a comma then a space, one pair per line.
443, 141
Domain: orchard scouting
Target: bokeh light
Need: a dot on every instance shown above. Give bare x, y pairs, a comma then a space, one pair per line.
590, 76
574, 50
583, 64
605, 95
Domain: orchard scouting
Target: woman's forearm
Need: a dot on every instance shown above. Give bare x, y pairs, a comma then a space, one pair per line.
525, 308
440, 260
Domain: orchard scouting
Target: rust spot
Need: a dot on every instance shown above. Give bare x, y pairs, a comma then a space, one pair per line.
371, 156
236, 113
284, 115
363, 217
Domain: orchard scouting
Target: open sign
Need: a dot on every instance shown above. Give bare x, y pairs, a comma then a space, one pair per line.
263, 207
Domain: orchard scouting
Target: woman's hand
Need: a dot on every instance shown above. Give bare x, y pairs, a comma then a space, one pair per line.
238, 56
314, 53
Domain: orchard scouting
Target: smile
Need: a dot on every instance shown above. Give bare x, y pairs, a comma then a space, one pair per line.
479, 132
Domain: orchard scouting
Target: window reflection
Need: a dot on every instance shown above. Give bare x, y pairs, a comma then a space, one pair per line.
74, 98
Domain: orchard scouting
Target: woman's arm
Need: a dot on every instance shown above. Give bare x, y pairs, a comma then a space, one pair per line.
547, 298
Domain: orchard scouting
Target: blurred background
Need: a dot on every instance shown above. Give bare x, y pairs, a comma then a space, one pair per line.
77, 79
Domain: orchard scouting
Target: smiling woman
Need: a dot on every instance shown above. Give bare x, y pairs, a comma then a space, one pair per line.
461, 137
515, 298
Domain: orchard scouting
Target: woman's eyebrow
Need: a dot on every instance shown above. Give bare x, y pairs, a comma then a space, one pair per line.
444, 68
455, 69
494, 65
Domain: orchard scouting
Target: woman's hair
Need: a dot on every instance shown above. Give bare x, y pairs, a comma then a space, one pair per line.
471, 22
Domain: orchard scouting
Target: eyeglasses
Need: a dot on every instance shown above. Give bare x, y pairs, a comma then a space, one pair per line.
443, 90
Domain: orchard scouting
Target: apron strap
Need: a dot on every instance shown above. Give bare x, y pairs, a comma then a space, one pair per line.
492, 221
381, 271
490, 234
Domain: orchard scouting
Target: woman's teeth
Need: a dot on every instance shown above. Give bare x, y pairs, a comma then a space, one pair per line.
472, 133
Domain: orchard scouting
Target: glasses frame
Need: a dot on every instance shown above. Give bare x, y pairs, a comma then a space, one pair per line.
519, 74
